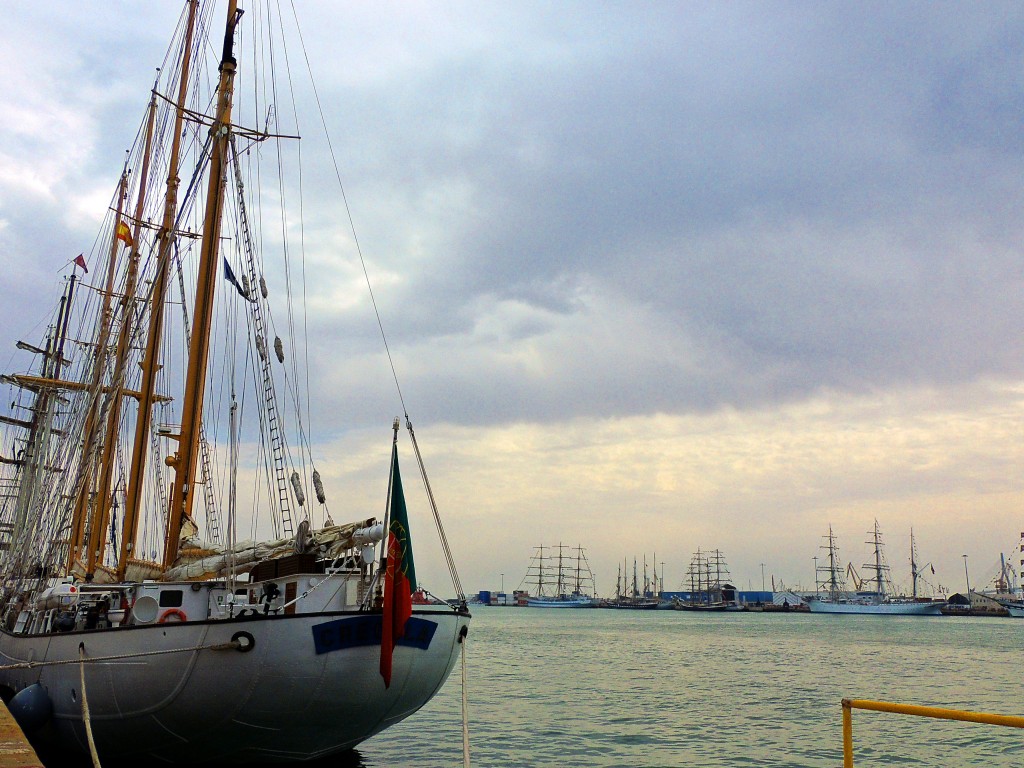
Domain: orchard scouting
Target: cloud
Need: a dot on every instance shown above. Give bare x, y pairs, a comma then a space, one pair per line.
687, 273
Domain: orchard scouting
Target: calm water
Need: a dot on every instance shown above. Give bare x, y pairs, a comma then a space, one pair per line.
667, 688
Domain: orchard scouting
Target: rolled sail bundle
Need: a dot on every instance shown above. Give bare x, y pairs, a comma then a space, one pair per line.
329, 543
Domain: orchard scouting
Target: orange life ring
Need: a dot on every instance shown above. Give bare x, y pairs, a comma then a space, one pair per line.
172, 613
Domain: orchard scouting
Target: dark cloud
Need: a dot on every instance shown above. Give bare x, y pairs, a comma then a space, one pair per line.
587, 209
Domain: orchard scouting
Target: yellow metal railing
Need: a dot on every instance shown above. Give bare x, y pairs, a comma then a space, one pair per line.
1009, 721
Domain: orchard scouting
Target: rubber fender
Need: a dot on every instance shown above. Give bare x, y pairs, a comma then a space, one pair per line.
31, 707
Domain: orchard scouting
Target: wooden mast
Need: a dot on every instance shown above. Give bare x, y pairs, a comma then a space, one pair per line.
101, 515
92, 421
150, 366
184, 461
36, 447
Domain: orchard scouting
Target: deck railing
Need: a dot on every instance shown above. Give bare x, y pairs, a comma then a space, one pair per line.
1009, 721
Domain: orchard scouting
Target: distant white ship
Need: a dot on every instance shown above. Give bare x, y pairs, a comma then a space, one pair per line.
567, 582
833, 596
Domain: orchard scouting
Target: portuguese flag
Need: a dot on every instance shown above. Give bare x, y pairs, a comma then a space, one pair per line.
400, 573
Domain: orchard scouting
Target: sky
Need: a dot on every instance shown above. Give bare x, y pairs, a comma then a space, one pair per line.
654, 276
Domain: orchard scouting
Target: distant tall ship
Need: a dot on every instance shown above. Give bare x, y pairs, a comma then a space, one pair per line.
710, 589
560, 580
834, 597
635, 596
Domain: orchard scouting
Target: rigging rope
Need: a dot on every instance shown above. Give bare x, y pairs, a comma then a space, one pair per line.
85, 708
366, 275
348, 211
465, 707
231, 645
437, 517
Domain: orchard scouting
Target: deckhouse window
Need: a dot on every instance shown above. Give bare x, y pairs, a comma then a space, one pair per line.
171, 598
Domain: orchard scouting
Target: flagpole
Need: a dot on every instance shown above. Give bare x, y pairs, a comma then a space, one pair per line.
387, 511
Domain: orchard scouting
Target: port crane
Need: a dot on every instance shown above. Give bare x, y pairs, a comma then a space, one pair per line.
853, 576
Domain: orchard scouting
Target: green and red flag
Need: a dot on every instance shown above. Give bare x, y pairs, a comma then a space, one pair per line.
399, 575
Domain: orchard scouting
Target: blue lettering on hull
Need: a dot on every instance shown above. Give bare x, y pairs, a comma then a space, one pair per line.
366, 630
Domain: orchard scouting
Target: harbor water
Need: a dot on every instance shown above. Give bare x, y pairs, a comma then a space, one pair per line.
670, 688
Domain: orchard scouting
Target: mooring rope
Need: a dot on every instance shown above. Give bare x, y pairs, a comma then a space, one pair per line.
228, 646
465, 708
85, 709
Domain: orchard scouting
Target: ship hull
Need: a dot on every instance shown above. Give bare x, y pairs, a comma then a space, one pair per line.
877, 609
697, 607
582, 602
308, 686
629, 604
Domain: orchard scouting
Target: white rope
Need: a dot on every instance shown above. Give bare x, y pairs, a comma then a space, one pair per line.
229, 646
85, 709
465, 708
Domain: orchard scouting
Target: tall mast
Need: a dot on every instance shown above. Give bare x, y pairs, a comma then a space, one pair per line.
184, 461
540, 571
560, 585
37, 446
913, 564
85, 498
835, 580
579, 555
97, 539
693, 586
879, 576
150, 366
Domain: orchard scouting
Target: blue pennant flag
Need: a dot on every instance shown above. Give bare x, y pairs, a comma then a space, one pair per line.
229, 275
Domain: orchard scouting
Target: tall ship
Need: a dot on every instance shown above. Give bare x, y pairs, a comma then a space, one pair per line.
709, 587
636, 594
833, 595
174, 587
560, 579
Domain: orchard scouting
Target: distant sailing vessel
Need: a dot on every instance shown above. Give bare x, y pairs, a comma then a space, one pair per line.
834, 597
710, 589
637, 596
152, 427
560, 581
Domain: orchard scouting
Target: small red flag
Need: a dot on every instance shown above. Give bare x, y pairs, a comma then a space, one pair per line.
80, 262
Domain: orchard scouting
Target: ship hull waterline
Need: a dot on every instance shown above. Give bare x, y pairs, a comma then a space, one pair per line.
571, 603
293, 696
878, 609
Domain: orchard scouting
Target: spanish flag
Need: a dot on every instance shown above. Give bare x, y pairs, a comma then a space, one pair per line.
124, 234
